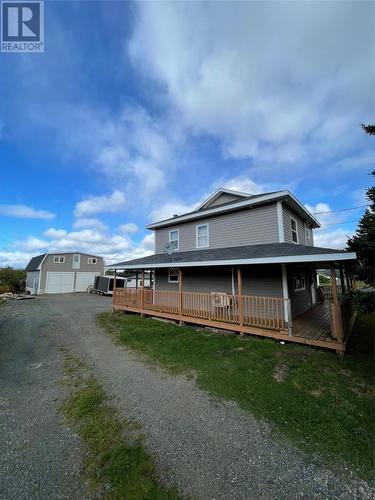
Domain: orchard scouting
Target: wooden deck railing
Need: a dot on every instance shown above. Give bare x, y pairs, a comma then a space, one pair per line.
327, 291
221, 308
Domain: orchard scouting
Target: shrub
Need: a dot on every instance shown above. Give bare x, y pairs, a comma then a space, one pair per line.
363, 300
11, 280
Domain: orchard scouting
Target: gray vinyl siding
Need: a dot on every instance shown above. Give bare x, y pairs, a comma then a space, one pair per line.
31, 279
50, 266
262, 281
223, 198
251, 226
301, 225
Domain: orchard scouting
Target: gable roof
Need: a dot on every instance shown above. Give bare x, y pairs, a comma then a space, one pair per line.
244, 202
236, 194
35, 263
269, 253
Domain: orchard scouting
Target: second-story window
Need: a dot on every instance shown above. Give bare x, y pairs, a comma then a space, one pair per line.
293, 225
202, 236
174, 238
92, 260
58, 259
308, 235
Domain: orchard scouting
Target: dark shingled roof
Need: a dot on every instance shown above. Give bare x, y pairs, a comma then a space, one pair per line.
34, 263
269, 250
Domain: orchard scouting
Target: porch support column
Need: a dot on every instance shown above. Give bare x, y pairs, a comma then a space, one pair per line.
240, 299
114, 297
287, 307
334, 284
143, 292
347, 275
337, 324
180, 296
342, 281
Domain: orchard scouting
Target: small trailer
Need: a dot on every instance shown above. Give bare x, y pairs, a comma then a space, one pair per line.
103, 285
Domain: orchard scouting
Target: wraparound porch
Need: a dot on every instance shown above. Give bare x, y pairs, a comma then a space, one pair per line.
325, 325
277, 298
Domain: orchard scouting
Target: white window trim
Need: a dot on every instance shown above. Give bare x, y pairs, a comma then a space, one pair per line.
169, 276
90, 260
303, 275
178, 237
196, 235
307, 233
58, 261
292, 230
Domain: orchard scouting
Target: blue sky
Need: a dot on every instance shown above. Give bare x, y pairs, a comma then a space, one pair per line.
136, 111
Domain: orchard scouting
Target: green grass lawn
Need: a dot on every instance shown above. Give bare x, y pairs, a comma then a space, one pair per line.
324, 404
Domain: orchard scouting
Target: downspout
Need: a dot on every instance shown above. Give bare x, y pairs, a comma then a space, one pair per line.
233, 289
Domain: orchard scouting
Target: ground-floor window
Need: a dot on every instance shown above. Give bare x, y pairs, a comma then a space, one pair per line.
173, 276
299, 281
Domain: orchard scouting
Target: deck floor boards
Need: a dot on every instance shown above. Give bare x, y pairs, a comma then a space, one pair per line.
314, 323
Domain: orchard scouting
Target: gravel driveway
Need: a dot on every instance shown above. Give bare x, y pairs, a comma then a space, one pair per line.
209, 449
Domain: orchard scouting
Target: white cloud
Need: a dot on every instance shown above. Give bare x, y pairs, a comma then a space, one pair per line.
129, 227
99, 204
13, 258
86, 223
330, 235
244, 184
337, 238
25, 212
167, 210
55, 233
31, 244
137, 151
323, 212
268, 87
114, 247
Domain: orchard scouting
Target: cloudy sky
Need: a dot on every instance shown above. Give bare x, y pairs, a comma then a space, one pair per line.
136, 111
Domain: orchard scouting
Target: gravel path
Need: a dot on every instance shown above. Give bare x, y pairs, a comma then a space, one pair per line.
209, 449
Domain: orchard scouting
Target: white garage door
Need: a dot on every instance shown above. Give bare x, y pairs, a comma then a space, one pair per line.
83, 280
60, 283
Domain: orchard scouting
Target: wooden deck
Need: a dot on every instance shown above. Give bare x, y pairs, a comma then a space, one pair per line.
314, 323
261, 316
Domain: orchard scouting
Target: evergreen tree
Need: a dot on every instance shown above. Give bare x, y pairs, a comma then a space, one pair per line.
363, 241
369, 129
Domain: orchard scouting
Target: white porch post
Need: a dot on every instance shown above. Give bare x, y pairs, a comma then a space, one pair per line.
287, 308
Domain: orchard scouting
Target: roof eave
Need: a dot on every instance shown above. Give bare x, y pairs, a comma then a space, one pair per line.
218, 209
217, 193
236, 205
290, 259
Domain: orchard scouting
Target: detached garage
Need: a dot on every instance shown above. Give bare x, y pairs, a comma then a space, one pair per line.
60, 283
63, 273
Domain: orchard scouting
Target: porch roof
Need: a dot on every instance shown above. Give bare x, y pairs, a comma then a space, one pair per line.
271, 253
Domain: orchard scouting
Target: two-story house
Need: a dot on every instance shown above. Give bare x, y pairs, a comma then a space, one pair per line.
240, 262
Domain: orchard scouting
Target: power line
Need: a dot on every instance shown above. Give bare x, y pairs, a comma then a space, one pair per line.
338, 223
341, 210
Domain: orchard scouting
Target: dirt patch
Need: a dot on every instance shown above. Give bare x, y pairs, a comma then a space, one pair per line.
281, 372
